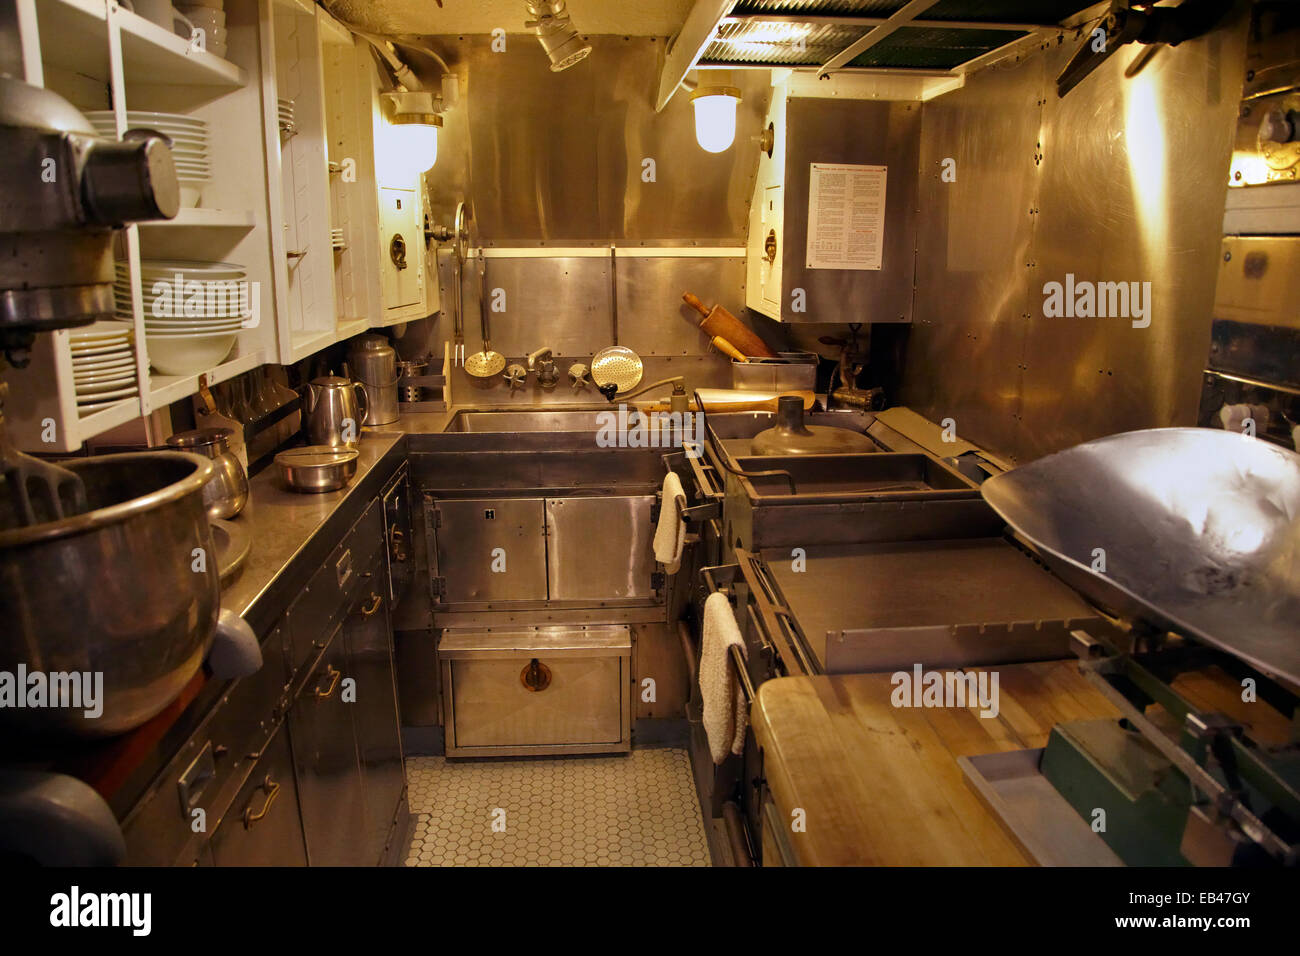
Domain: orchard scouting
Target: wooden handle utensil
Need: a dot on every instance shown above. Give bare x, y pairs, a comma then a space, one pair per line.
726, 348
719, 322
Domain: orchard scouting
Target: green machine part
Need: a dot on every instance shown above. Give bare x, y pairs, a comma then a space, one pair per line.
1098, 765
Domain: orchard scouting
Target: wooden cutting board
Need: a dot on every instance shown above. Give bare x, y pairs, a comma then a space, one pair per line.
719, 322
880, 785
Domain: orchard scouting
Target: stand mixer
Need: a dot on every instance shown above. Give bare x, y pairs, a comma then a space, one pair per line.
67, 192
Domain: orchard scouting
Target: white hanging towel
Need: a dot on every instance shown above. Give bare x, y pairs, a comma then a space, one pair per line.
670, 532
726, 713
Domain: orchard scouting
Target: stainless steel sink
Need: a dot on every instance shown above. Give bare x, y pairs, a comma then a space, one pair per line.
541, 420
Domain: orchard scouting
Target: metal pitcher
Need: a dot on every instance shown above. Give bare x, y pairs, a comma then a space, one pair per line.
375, 363
335, 410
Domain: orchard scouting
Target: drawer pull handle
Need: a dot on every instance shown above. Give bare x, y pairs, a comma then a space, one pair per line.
272, 791
375, 601
397, 544
335, 674
535, 676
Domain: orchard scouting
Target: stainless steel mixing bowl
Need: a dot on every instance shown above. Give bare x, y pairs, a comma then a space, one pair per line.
129, 589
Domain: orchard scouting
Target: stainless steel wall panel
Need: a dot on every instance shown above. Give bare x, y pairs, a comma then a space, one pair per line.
966, 348
1133, 189
652, 318
1130, 188
835, 131
563, 303
558, 157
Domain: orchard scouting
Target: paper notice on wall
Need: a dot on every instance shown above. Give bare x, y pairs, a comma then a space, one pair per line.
846, 216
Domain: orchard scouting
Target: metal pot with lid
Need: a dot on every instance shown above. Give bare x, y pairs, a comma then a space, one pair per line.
790, 436
374, 362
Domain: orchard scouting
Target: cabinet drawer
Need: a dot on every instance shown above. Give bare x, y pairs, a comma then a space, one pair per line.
545, 690
205, 770
317, 609
262, 827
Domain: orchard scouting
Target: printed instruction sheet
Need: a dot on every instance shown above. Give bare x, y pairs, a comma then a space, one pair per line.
846, 216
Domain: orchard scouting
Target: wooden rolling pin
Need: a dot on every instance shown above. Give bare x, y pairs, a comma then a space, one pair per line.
719, 322
726, 348
734, 400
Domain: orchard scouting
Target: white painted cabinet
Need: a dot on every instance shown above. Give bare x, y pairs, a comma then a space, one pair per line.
272, 205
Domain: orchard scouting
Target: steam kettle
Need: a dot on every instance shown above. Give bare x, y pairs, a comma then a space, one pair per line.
336, 408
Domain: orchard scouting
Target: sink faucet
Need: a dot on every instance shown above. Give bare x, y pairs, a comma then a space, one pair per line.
543, 364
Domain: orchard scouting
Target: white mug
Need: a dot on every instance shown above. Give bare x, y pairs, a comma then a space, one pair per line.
160, 12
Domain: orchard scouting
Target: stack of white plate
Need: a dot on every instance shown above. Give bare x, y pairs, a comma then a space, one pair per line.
103, 365
192, 311
189, 137
287, 125
336, 238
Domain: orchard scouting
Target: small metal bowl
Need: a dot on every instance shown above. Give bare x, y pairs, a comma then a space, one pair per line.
316, 468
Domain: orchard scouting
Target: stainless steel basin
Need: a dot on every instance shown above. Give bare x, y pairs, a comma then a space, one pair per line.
541, 420
114, 593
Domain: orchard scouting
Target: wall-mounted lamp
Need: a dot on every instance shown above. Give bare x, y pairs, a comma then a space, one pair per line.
715, 116
558, 36
413, 126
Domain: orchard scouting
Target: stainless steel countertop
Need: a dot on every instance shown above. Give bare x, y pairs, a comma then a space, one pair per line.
281, 522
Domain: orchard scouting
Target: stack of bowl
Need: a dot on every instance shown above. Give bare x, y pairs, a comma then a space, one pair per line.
192, 311
189, 141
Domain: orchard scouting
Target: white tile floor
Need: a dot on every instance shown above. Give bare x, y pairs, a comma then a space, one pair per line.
638, 810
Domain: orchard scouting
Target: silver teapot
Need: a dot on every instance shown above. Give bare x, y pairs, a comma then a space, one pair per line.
335, 409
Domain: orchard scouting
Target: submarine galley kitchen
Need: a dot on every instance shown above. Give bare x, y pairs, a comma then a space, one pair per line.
676, 433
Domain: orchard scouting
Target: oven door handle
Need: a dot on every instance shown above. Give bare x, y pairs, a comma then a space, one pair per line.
712, 495
776, 618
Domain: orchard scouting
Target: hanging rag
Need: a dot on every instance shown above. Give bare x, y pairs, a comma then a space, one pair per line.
670, 532
726, 712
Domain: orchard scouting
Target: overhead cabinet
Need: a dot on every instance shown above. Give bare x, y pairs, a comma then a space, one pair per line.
833, 217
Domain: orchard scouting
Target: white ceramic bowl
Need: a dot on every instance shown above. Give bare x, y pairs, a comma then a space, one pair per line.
188, 354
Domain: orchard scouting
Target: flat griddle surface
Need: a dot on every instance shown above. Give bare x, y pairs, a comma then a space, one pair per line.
917, 584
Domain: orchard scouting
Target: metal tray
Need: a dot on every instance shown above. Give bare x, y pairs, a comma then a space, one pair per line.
1032, 812
852, 477
1199, 530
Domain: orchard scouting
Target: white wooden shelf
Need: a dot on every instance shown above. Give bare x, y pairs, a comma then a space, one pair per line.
150, 52
74, 37
165, 389
198, 217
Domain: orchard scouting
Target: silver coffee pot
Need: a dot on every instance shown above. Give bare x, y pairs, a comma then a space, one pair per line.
335, 409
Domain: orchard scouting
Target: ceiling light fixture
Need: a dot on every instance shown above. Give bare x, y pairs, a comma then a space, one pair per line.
715, 116
413, 125
556, 32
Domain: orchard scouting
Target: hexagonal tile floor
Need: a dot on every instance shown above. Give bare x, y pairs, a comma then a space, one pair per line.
638, 810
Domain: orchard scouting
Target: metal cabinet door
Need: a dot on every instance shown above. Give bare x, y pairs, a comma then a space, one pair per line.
599, 548
490, 550
397, 535
369, 641
262, 827
326, 766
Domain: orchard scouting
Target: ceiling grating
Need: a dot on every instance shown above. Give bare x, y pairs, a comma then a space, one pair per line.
808, 33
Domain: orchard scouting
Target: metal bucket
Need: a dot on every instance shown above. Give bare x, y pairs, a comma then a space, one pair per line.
129, 591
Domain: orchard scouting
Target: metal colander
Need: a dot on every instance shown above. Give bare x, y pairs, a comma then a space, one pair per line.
617, 365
